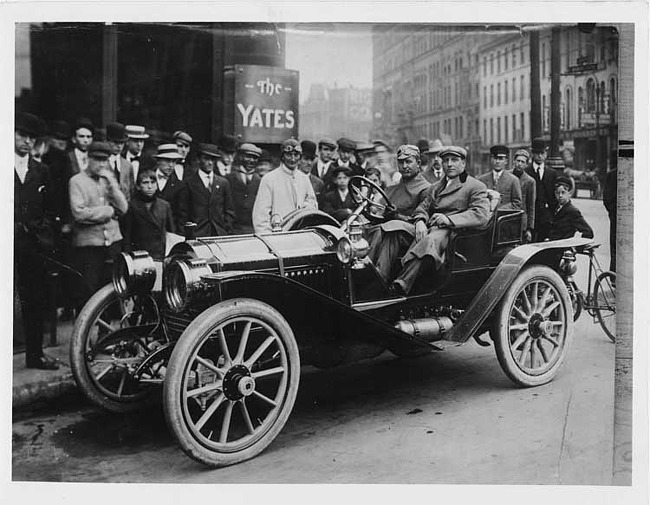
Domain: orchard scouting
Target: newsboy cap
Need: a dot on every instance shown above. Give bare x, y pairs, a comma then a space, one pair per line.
116, 132
182, 136
326, 141
563, 181
522, 152
99, 150
251, 149
498, 149
408, 150
347, 144
538, 145
28, 123
453, 150
208, 150
168, 152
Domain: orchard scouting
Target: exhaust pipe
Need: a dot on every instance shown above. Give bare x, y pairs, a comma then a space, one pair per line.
429, 329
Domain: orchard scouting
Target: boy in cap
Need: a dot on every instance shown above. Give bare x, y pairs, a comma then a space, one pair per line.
283, 190
169, 186
96, 203
136, 135
244, 184
499, 179
338, 202
567, 219
326, 147
346, 149
528, 194
33, 237
206, 198
545, 200
82, 137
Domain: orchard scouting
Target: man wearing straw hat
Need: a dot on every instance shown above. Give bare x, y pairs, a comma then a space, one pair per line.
169, 186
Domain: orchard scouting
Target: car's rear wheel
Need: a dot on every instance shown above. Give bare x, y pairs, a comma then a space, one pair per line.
232, 382
533, 327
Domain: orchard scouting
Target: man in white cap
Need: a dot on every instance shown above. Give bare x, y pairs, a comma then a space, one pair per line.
169, 185
244, 184
136, 135
456, 202
283, 190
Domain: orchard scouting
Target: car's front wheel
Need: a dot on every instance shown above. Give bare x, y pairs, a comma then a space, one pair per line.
232, 382
533, 326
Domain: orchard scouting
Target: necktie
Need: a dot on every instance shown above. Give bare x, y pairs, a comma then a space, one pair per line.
210, 182
496, 179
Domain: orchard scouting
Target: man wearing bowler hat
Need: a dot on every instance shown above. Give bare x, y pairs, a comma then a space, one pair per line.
121, 167
136, 135
244, 184
227, 150
33, 236
502, 181
456, 202
96, 203
206, 197
169, 185
82, 137
283, 190
545, 178
306, 162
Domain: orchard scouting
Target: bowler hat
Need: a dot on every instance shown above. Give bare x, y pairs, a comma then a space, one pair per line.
136, 132
326, 141
538, 145
251, 149
347, 144
168, 152
228, 143
453, 150
498, 149
99, 150
423, 145
308, 148
116, 132
84, 122
209, 150
60, 130
182, 136
28, 123
408, 150
435, 146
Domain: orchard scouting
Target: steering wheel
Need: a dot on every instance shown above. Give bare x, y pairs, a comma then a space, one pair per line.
363, 191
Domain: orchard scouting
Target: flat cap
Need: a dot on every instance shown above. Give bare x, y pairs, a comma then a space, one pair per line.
290, 145
522, 152
209, 150
364, 147
435, 146
251, 149
538, 145
347, 144
308, 148
408, 150
99, 150
381, 143
563, 181
228, 143
116, 132
453, 151
498, 149
326, 141
182, 136
136, 132
168, 152
28, 123
60, 130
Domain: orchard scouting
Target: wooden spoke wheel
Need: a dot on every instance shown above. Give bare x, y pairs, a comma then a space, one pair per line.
232, 382
533, 326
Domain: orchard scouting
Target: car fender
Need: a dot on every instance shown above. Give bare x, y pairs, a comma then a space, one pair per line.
545, 253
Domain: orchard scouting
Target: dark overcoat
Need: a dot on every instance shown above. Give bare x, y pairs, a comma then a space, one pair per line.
212, 210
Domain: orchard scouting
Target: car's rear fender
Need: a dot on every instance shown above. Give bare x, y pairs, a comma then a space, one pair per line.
542, 253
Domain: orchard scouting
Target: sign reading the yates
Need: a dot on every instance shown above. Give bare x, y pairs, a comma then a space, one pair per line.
265, 103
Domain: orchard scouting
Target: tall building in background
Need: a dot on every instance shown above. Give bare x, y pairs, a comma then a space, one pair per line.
336, 112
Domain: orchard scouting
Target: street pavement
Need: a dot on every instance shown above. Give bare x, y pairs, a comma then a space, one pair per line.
450, 417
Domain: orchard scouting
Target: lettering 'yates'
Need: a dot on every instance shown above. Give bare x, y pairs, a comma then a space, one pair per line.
265, 118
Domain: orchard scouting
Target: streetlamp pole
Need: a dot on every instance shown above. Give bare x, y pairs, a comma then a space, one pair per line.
555, 160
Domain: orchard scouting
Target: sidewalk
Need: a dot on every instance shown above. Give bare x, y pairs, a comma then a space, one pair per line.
31, 385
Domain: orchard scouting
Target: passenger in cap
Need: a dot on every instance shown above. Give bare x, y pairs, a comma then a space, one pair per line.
244, 184
502, 181
346, 148
390, 240
283, 190
456, 202
567, 219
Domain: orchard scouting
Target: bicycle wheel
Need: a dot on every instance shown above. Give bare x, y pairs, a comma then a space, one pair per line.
605, 303
576, 299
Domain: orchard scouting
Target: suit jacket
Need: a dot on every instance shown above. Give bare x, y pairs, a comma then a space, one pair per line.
34, 210
528, 198
243, 199
567, 221
430, 175
545, 201
126, 179
212, 211
74, 164
508, 187
145, 229
339, 209
58, 163
317, 184
172, 193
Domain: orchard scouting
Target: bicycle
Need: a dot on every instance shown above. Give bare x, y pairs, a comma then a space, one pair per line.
600, 303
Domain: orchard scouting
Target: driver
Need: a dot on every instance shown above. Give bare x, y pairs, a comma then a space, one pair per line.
391, 239
457, 201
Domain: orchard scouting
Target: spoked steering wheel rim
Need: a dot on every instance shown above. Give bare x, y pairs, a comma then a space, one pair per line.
357, 183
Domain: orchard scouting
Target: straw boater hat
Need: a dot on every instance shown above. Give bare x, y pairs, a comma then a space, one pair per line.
168, 152
136, 132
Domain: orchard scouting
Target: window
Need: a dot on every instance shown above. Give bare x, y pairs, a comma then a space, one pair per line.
498, 130
499, 93
514, 88
543, 58
485, 131
591, 95
505, 129
505, 59
491, 131
522, 127
491, 95
522, 54
484, 66
491, 63
514, 128
521, 88
456, 128
498, 62
568, 105
601, 101
514, 56
460, 123
505, 92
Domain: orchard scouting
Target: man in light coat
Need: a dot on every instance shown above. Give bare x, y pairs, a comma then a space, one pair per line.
499, 179
528, 194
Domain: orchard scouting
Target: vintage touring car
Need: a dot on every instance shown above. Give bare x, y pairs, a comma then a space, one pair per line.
225, 323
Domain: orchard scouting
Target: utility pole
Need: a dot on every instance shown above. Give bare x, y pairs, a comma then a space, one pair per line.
555, 160
535, 94
109, 73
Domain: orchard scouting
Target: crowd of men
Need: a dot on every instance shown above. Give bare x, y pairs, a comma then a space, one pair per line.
82, 204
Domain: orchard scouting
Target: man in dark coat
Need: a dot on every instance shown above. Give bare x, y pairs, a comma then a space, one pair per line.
499, 179
567, 219
390, 240
609, 201
545, 201
305, 165
346, 148
456, 202
338, 202
206, 198
57, 160
170, 188
326, 148
33, 237
82, 137
244, 183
